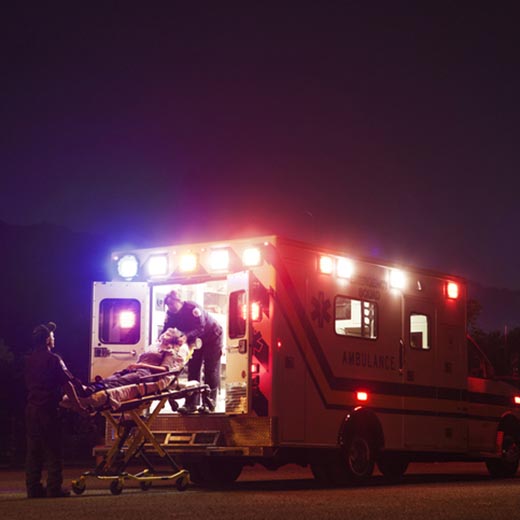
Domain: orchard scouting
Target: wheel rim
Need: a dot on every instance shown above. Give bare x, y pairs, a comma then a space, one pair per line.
359, 457
510, 450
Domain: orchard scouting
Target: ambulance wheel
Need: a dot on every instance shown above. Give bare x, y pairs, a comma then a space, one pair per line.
116, 487
358, 457
507, 465
78, 486
392, 465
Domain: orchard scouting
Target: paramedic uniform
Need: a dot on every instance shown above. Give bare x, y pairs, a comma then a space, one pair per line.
196, 322
45, 375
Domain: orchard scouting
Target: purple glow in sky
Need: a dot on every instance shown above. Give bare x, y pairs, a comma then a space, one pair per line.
387, 128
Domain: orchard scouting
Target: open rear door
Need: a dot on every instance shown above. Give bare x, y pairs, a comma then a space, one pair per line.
238, 353
120, 325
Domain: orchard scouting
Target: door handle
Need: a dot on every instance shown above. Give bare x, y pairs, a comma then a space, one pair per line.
401, 356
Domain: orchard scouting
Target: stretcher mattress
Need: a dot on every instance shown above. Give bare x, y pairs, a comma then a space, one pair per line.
113, 398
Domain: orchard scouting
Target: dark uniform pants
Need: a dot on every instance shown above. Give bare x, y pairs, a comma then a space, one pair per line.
44, 447
211, 358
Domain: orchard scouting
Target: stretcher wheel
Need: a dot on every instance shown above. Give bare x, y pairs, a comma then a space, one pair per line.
182, 483
145, 484
116, 487
78, 486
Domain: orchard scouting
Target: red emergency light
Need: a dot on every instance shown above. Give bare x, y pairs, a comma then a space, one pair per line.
452, 290
362, 396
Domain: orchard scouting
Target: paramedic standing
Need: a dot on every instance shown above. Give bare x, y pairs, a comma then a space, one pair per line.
195, 322
46, 377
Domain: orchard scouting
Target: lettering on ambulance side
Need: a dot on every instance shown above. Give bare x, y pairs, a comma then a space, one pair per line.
366, 360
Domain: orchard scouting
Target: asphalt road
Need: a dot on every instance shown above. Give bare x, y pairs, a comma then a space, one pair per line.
428, 491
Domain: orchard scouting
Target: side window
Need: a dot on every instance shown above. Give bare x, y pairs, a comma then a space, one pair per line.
237, 314
356, 318
419, 331
119, 321
478, 364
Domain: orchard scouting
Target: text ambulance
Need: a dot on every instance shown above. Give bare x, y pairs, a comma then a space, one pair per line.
329, 361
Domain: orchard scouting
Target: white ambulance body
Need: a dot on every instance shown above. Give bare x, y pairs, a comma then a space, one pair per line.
329, 361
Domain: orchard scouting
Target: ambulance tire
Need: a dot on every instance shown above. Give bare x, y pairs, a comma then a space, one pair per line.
507, 465
358, 452
392, 465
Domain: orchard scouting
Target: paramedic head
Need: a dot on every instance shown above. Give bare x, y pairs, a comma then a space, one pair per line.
196, 323
173, 301
43, 336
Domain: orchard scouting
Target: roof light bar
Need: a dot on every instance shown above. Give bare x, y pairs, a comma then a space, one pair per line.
326, 264
127, 266
397, 279
188, 263
157, 265
345, 268
452, 290
252, 257
219, 259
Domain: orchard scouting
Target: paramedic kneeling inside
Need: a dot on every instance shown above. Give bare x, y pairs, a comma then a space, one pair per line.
168, 354
195, 322
46, 377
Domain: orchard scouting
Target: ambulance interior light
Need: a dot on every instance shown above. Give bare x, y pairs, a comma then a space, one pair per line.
157, 265
127, 266
516, 399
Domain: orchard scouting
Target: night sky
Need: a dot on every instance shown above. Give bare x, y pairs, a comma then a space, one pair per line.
388, 128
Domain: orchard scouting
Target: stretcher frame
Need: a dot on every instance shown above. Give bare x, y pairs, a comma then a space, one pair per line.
134, 435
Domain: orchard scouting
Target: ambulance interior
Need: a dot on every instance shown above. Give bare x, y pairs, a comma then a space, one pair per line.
212, 296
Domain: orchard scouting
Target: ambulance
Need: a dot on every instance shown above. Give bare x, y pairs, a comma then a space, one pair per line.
330, 361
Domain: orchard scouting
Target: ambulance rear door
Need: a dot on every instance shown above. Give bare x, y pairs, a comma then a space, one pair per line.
120, 325
238, 346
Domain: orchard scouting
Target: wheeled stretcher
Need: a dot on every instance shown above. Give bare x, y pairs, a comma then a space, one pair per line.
128, 410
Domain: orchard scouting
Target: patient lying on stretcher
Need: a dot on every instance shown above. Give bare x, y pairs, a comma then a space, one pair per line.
169, 354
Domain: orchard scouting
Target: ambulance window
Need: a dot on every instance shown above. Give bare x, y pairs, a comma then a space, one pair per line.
355, 318
119, 321
237, 314
419, 331
478, 364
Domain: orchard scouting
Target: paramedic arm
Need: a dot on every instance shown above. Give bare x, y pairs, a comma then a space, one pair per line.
70, 391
